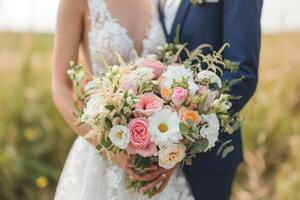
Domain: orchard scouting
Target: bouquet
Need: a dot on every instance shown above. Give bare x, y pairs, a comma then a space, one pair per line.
158, 109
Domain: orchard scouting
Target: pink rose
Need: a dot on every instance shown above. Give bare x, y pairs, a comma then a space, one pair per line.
140, 141
128, 83
179, 95
157, 67
148, 104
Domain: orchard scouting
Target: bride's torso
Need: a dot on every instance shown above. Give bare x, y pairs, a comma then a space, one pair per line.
105, 33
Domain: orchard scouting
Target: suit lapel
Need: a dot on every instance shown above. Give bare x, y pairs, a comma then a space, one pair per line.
162, 18
179, 19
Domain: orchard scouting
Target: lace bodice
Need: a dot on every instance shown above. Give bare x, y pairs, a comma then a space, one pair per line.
107, 36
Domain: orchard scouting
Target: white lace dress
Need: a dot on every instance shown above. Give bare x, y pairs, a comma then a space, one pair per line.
87, 175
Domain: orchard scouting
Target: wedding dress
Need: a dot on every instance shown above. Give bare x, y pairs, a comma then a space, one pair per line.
87, 175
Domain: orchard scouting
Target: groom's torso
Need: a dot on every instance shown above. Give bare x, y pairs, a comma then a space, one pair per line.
201, 24
197, 24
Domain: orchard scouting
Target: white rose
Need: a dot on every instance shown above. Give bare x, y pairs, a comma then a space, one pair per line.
171, 154
210, 131
94, 107
119, 136
178, 73
211, 76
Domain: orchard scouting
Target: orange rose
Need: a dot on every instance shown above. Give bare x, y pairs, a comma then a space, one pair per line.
166, 93
190, 115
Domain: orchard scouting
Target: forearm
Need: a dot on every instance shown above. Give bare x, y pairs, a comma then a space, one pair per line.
64, 102
244, 89
242, 31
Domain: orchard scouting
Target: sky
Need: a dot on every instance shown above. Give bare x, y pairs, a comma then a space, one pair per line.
39, 15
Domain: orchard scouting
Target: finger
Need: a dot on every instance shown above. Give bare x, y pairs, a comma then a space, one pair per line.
163, 185
129, 165
151, 175
153, 183
133, 174
152, 168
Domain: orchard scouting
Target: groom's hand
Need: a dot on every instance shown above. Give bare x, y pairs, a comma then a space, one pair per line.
159, 179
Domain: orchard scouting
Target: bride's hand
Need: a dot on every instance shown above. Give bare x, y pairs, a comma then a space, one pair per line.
124, 162
160, 179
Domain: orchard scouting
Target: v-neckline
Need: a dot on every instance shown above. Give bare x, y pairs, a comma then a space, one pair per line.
148, 27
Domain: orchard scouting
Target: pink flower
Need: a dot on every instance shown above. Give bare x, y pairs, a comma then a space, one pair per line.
140, 141
129, 84
157, 67
179, 95
211, 96
148, 104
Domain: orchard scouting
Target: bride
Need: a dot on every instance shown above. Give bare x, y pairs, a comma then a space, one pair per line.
101, 27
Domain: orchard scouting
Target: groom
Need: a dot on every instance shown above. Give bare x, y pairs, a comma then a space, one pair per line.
217, 22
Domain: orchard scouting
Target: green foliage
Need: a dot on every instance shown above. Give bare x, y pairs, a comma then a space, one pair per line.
200, 145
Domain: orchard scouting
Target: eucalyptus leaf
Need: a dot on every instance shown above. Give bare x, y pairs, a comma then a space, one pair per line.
200, 146
223, 146
227, 150
184, 129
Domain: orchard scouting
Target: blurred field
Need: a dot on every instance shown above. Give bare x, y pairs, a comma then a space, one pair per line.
34, 140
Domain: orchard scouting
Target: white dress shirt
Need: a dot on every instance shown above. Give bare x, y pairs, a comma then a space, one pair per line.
170, 10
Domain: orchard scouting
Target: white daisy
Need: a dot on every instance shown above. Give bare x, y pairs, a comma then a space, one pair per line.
178, 73
164, 127
210, 131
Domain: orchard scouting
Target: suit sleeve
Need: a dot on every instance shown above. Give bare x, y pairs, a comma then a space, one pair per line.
241, 29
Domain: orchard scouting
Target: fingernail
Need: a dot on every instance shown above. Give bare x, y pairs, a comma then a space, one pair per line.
141, 190
164, 175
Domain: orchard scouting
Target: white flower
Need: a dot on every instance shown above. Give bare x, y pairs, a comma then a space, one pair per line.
92, 85
151, 57
210, 131
95, 107
119, 136
115, 69
210, 76
142, 74
81, 75
170, 155
164, 127
178, 73
222, 104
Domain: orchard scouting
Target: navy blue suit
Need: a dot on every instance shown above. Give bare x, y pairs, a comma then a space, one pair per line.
236, 22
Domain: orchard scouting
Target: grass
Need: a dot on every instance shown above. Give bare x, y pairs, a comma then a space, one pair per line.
34, 140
